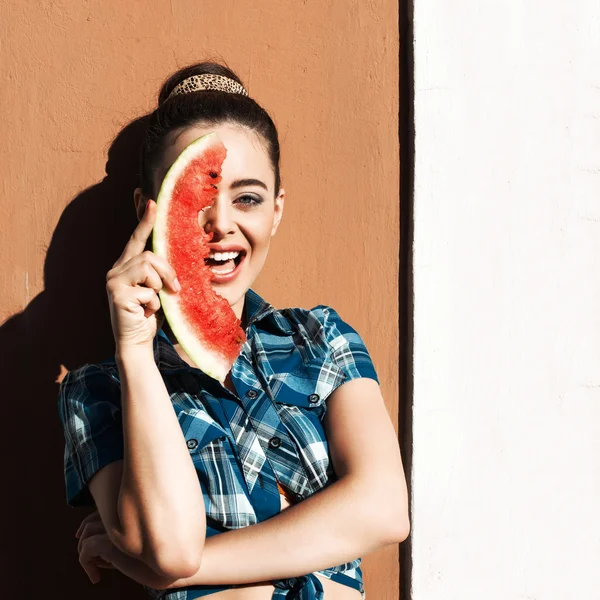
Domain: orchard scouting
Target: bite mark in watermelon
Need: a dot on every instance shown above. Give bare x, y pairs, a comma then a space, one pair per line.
201, 320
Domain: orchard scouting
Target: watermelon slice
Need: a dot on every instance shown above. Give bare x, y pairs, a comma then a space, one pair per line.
201, 320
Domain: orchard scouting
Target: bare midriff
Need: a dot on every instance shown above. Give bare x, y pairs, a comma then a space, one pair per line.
332, 591
259, 591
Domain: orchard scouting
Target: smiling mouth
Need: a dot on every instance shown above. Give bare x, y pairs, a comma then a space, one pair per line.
224, 263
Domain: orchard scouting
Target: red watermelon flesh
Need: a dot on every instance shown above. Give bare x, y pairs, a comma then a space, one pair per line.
202, 321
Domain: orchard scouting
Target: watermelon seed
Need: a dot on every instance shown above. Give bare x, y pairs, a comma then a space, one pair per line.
213, 174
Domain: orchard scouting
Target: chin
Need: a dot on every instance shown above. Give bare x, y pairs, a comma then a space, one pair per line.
232, 293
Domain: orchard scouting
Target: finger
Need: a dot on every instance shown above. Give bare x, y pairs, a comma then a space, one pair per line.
140, 300
92, 571
103, 564
89, 530
133, 285
145, 298
91, 517
139, 268
86, 560
152, 306
138, 239
95, 554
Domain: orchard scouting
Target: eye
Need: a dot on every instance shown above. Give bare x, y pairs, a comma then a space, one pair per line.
248, 200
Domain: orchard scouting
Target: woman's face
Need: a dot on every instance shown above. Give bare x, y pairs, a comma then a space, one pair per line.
245, 214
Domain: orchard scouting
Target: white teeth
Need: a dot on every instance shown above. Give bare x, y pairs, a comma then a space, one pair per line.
221, 272
223, 256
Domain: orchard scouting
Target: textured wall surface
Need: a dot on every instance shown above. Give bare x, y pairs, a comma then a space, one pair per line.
74, 76
506, 430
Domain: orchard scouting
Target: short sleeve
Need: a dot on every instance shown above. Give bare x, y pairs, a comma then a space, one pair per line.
348, 351
89, 406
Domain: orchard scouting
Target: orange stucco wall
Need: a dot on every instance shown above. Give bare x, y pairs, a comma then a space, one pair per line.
73, 75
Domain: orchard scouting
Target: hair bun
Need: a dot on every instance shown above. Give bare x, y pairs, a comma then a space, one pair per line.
208, 81
221, 75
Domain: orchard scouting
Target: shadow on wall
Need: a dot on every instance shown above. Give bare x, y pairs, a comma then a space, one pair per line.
64, 327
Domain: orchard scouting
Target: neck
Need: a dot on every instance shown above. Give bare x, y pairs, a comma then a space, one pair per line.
166, 328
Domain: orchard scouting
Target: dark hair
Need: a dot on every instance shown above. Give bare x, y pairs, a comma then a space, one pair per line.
207, 106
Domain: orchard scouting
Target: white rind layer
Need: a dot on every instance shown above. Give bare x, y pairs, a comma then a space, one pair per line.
205, 359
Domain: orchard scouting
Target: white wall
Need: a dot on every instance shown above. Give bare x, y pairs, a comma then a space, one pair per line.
506, 464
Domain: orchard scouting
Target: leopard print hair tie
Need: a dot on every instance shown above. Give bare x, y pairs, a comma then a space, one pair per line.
207, 81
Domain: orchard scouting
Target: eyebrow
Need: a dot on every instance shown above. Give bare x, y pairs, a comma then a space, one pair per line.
247, 182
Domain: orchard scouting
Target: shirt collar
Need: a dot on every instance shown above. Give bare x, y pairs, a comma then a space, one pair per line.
257, 311
255, 307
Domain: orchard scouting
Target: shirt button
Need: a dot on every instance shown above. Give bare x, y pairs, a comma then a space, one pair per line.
313, 398
252, 394
275, 442
192, 444
299, 497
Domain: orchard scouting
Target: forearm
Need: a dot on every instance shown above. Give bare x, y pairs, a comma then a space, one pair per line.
160, 503
334, 526
136, 569
141, 573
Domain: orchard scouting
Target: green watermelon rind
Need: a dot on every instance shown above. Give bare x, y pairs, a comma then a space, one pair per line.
201, 355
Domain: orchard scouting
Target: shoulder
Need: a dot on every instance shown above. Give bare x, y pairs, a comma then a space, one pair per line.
89, 407
320, 323
85, 390
327, 334
320, 314
105, 371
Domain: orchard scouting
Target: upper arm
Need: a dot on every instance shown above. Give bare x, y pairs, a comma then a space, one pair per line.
90, 411
362, 439
104, 487
364, 448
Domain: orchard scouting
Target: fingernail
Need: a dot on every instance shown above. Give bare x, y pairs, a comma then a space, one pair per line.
177, 285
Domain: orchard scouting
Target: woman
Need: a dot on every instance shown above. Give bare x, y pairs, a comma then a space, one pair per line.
300, 412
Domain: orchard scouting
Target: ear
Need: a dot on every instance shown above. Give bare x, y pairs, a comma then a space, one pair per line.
278, 210
139, 201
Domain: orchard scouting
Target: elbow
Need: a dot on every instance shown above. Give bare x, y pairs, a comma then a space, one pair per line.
402, 530
394, 530
175, 558
175, 565
394, 518
172, 560
406, 531
171, 548
382, 507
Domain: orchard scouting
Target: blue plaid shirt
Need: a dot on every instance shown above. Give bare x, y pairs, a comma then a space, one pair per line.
243, 444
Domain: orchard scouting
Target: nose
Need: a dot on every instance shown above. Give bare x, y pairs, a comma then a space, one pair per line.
217, 218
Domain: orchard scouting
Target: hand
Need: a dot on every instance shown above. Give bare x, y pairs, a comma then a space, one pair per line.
91, 525
133, 284
94, 546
